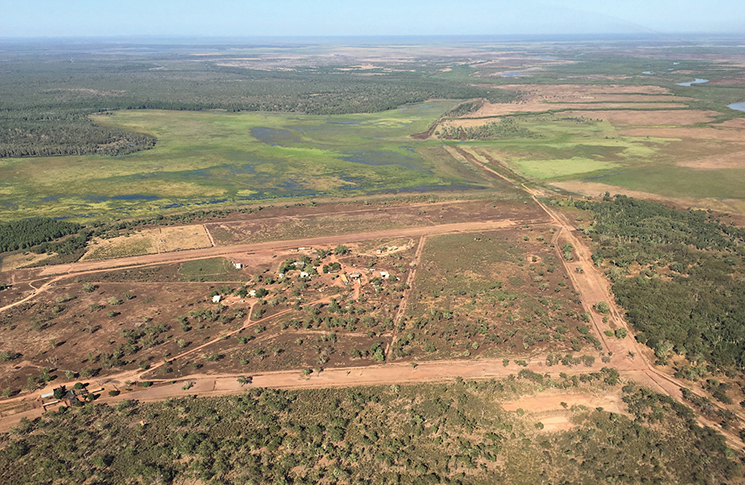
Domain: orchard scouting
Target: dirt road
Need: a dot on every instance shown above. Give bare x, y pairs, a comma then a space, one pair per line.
631, 359
192, 254
63, 271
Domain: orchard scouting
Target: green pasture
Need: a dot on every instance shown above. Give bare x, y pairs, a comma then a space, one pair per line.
674, 181
567, 148
216, 269
216, 157
597, 151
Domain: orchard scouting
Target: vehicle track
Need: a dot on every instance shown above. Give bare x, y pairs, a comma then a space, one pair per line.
629, 357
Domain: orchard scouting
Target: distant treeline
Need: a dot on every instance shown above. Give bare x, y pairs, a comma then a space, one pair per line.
686, 296
45, 106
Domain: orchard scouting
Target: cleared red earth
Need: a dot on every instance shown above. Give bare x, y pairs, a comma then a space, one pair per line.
626, 355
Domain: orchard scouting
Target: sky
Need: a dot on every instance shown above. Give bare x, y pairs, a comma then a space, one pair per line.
282, 18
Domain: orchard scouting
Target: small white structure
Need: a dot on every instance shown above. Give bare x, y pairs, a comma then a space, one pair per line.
354, 276
281, 275
216, 299
238, 266
299, 264
304, 274
252, 293
384, 274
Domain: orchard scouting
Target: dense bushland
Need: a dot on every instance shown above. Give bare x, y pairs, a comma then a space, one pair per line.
679, 275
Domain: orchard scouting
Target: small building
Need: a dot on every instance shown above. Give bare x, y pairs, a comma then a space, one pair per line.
299, 264
281, 275
355, 276
385, 274
304, 274
216, 299
238, 266
344, 279
252, 293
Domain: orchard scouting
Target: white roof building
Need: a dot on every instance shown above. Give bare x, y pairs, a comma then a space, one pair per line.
216, 299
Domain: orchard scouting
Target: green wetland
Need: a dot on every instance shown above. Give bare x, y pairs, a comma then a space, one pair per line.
217, 157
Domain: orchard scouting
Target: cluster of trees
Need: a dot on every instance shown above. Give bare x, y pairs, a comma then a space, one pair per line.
698, 309
466, 108
32, 134
506, 128
45, 105
42, 234
28, 233
439, 434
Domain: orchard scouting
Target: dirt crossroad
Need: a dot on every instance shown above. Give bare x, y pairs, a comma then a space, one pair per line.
631, 359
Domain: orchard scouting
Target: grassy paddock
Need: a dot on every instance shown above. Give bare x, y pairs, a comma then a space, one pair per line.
217, 269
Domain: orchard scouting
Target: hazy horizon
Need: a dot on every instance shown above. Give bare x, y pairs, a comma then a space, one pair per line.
334, 18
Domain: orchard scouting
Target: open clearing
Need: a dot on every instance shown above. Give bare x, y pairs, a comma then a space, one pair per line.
648, 117
9, 262
324, 330
571, 96
149, 241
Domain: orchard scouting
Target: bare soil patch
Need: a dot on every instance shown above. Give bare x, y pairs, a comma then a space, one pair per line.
737, 123
136, 244
492, 294
715, 162
181, 237
555, 409
649, 117
731, 81
573, 96
149, 241
573, 91
501, 109
277, 225
552, 401
710, 134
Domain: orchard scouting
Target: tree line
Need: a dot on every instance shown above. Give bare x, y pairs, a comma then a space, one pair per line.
45, 107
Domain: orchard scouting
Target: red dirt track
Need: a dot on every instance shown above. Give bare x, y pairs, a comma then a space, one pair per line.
630, 358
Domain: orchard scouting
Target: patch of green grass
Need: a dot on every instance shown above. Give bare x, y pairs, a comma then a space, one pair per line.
674, 181
547, 169
217, 269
